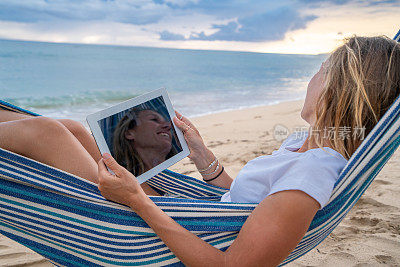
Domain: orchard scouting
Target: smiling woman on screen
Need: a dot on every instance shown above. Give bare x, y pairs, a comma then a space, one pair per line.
142, 140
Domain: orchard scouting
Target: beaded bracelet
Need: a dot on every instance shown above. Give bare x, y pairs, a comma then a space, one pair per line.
211, 173
209, 180
209, 166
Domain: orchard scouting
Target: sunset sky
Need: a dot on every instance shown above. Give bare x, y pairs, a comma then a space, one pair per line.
301, 27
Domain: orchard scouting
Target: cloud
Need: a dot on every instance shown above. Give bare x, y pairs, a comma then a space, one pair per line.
256, 21
264, 27
132, 12
169, 36
232, 20
225, 9
344, 2
335, 2
200, 24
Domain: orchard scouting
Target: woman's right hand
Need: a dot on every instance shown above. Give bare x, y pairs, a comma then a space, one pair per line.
199, 153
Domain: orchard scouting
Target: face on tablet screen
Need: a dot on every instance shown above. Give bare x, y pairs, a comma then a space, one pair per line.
141, 137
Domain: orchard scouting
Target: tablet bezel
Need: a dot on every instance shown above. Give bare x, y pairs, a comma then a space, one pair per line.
93, 121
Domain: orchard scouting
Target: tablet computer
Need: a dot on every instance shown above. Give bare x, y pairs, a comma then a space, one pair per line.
140, 134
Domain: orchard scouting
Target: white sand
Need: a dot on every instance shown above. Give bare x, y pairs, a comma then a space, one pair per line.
369, 235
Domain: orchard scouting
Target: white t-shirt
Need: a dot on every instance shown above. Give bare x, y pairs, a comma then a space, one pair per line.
314, 172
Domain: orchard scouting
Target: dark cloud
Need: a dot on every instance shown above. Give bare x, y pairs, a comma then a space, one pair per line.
169, 36
225, 9
264, 27
251, 21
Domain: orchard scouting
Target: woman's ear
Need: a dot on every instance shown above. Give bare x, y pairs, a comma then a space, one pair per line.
130, 135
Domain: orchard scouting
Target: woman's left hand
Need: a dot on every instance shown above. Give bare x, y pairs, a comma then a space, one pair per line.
122, 187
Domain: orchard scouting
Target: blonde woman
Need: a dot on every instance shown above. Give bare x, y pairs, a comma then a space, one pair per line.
354, 87
142, 140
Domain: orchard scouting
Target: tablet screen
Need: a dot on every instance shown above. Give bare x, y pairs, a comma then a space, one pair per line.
141, 137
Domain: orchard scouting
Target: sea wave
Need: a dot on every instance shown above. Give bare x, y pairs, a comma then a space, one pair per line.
72, 100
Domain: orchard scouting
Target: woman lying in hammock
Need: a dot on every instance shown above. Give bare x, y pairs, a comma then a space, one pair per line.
352, 90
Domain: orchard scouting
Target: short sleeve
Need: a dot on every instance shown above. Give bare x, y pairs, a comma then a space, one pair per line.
226, 197
311, 174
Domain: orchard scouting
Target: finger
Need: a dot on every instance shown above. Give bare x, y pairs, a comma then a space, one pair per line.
113, 165
180, 124
185, 130
186, 121
181, 117
184, 125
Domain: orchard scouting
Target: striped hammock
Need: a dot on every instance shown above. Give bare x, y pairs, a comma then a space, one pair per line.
64, 217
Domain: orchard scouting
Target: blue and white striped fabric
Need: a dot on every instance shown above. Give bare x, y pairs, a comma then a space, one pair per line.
65, 219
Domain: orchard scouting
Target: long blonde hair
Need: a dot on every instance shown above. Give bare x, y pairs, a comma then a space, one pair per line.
361, 82
124, 152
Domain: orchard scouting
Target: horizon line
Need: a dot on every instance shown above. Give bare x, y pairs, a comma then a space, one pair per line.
157, 47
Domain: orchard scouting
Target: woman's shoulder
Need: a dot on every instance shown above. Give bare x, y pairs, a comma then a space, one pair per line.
325, 154
294, 141
295, 138
286, 160
314, 172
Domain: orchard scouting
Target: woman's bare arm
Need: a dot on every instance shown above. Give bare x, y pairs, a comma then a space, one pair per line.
199, 153
270, 233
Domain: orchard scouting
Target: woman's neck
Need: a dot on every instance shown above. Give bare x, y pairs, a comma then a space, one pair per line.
151, 157
308, 144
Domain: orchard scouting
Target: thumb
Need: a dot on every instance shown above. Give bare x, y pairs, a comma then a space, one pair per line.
101, 167
112, 164
102, 171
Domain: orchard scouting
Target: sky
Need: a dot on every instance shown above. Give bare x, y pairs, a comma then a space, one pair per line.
294, 27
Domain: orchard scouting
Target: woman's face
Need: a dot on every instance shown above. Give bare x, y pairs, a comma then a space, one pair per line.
151, 131
314, 90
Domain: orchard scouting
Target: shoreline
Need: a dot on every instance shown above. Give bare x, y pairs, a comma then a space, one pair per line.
273, 103
369, 234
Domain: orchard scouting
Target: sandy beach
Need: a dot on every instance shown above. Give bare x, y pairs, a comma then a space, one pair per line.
369, 235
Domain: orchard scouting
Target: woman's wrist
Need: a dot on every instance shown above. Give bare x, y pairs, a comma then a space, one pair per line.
204, 159
214, 177
138, 202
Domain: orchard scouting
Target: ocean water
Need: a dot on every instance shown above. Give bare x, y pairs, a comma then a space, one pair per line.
74, 80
